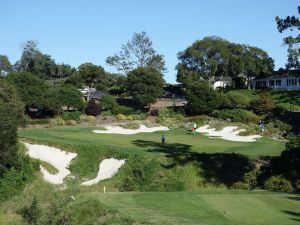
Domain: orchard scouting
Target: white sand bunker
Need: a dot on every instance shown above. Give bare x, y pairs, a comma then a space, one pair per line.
227, 133
121, 130
107, 168
56, 157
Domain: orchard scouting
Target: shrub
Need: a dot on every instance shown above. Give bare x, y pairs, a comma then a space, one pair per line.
108, 102
140, 116
57, 122
87, 118
120, 109
250, 179
71, 122
121, 117
263, 104
237, 115
71, 115
201, 98
240, 186
277, 127
106, 113
133, 126
237, 100
39, 121
31, 214
92, 108
278, 183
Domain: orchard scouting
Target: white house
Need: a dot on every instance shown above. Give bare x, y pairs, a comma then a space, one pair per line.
289, 80
221, 82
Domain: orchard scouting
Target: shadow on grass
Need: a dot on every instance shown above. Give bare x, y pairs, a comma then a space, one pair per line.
295, 215
219, 168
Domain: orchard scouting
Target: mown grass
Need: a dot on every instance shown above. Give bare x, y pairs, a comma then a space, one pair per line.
128, 144
207, 207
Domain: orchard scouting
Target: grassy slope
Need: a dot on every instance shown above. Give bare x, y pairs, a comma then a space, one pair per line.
207, 207
279, 96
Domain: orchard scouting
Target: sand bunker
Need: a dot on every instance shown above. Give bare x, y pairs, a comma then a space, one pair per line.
56, 157
227, 133
121, 130
107, 168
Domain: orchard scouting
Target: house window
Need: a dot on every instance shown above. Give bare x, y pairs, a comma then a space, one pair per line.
278, 82
271, 83
299, 81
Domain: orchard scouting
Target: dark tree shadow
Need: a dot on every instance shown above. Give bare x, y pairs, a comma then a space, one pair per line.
219, 168
295, 215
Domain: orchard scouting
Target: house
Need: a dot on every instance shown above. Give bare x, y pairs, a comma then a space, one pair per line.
92, 93
221, 82
282, 79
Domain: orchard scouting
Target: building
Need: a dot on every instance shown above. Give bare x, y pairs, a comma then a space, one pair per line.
221, 82
282, 79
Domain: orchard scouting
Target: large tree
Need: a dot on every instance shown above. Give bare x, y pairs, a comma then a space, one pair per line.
70, 96
5, 65
137, 53
291, 23
35, 62
145, 85
11, 111
214, 56
34, 92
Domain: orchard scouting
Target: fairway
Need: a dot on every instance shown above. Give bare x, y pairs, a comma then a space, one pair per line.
207, 207
146, 142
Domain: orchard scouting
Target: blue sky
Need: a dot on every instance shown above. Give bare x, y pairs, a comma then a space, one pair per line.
78, 31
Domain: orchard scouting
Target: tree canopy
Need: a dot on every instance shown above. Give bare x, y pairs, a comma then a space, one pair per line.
214, 56
5, 65
34, 92
291, 23
11, 111
138, 52
145, 85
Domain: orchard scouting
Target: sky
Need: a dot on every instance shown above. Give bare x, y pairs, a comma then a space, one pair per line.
78, 31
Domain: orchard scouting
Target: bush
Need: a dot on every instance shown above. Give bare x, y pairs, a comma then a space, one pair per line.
121, 117
57, 122
240, 186
236, 115
141, 116
166, 116
263, 104
87, 118
31, 214
277, 127
278, 183
106, 113
108, 102
236, 100
201, 98
71, 122
120, 109
92, 108
39, 121
133, 126
71, 115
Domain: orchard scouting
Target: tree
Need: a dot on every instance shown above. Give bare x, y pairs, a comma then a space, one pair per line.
70, 96
201, 98
11, 111
5, 65
203, 60
291, 22
91, 74
137, 53
214, 56
145, 85
34, 92
35, 62
64, 70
